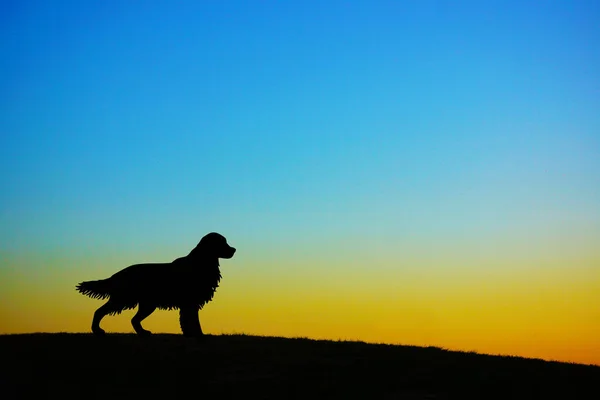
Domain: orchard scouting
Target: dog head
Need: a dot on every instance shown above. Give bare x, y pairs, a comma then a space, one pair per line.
213, 245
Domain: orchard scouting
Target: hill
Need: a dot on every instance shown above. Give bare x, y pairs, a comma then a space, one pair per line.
166, 366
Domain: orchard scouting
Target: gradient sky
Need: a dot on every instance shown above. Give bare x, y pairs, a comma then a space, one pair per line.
411, 172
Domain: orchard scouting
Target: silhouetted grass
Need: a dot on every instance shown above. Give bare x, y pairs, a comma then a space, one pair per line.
119, 366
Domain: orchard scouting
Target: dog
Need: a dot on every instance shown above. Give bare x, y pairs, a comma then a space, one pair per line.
187, 284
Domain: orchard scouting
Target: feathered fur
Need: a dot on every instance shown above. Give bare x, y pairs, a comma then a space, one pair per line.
187, 284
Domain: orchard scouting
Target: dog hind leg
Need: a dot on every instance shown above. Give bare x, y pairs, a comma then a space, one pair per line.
100, 313
144, 310
190, 322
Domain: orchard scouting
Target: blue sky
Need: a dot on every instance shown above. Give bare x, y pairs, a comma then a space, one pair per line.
290, 107
294, 112
299, 126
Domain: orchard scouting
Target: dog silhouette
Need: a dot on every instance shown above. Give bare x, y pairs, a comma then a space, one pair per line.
187, 284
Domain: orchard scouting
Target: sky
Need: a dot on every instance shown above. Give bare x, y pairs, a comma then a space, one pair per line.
410, 172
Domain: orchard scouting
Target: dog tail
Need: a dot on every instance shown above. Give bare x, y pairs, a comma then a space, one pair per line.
95, 289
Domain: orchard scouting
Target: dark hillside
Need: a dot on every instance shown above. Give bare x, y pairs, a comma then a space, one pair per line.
68, 366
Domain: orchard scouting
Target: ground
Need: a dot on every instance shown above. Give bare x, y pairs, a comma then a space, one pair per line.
124, 366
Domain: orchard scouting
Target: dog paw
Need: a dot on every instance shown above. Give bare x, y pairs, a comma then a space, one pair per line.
98, 331
197, 335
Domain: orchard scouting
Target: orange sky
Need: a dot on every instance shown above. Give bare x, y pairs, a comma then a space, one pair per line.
536, 309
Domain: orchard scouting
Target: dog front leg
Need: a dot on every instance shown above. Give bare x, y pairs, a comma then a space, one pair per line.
189, 321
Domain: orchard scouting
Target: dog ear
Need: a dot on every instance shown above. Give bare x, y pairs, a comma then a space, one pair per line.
196, 251
203, 247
